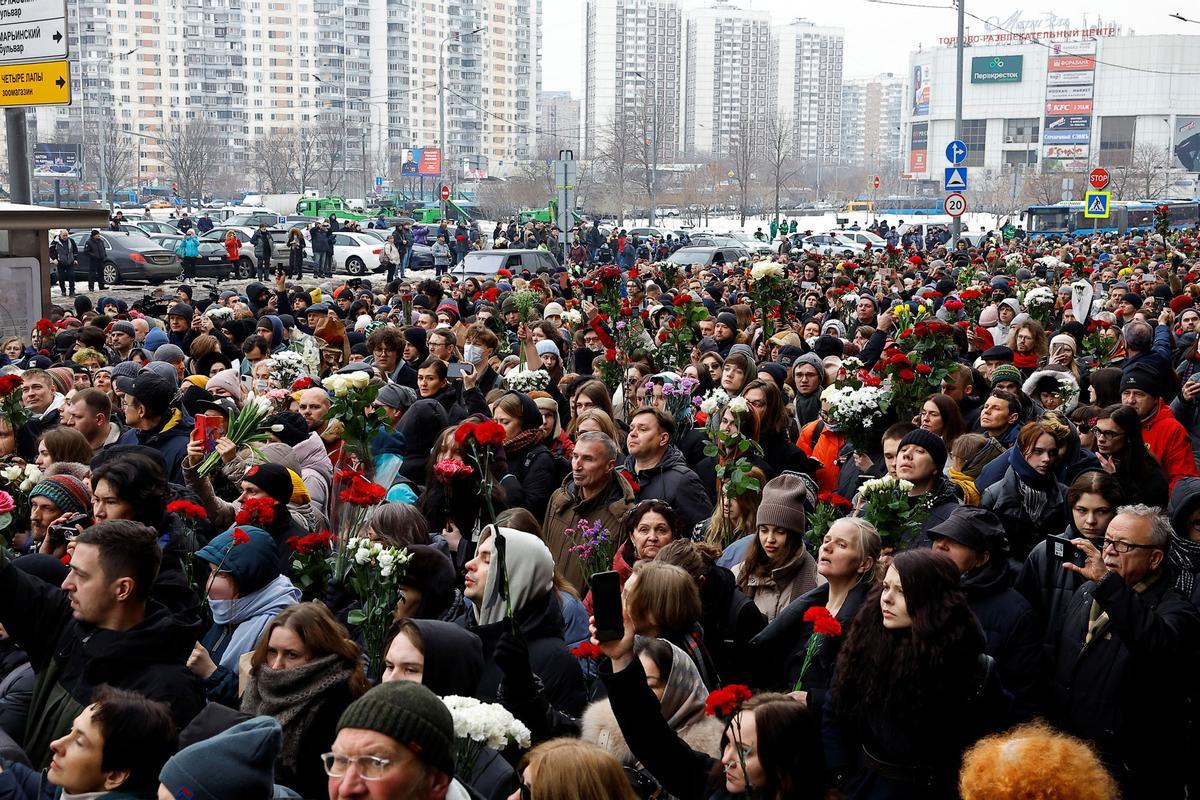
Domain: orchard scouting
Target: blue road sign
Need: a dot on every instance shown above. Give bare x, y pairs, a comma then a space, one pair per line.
956, 179
378, 181
1096, 205
956, 152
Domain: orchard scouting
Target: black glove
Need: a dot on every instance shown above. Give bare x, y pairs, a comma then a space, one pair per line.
512, 657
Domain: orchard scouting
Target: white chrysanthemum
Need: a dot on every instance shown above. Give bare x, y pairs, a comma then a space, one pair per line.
766, 269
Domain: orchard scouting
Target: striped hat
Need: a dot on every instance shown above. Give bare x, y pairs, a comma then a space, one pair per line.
62, 378
67, 492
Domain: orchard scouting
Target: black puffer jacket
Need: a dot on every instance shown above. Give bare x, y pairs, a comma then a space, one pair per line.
536, 472
1022, 525
1046, 585
673, 482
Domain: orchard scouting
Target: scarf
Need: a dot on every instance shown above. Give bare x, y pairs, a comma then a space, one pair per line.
967, 484
247, 616
292, 697
1025, 360
1098, 617
523, 440
1184, 555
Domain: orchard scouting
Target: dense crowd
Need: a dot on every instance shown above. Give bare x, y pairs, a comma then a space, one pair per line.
920, 524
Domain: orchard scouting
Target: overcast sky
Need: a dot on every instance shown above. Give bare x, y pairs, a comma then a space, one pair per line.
879, 37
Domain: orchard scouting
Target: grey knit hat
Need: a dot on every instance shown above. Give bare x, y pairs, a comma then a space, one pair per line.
783, 503
412, 715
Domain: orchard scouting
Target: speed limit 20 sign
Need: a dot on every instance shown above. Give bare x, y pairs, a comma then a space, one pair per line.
955, 205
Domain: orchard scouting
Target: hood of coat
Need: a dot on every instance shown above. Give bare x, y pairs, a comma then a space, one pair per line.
312, 455
672, 459
1063, 376
453, 658
599, 726
420, 426
158, 639
1185, 499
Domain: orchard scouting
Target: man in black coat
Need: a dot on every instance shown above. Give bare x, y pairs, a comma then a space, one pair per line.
64, 253
660, 469
95, 252
974, 539
1124, 657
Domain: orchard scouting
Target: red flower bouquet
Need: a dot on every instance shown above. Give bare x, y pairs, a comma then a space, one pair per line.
725, 702
257, 511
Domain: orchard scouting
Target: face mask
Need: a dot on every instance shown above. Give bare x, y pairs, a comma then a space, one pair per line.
472, 353
443, 325
223, 610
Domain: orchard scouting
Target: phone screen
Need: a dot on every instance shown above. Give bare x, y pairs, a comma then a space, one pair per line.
606, 606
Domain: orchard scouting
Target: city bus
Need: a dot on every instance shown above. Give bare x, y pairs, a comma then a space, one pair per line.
909, 206
1125, 216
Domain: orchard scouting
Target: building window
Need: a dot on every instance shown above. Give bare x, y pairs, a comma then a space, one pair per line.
1116, 140
1014, 158
974, 136
1021, 131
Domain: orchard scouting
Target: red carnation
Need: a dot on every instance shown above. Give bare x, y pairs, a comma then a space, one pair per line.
303, 383
815, 613
924, 369
587, 650
827, 626
724, 703
490, 432
187, 509
240, 536
362, 493
610, 354
259, 511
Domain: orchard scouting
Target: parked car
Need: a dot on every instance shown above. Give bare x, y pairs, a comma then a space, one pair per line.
254, 219
246, 259
758, 248
129, 257
213, 261
422, 254
489, 262
356, 253
830, 244
865, 238
708, 256
715, 240
149, 227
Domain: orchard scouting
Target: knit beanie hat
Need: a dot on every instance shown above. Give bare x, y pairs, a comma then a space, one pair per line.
67, 492
246, 754
546, 347
62, 378
126, 369
1064, 340
227, 379
727, 318
288, 427
275, 480
412, 715
548, 403
783, 503
1006, 372
930, 442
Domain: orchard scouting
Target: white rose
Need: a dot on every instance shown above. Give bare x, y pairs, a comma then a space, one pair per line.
362, 556
12, 473
359, 380
27, 485
738, 405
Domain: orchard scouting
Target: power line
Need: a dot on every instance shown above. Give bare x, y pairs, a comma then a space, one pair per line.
907, 5
557, 132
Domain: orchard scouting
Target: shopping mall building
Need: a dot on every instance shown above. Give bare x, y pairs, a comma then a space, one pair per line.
1072, 100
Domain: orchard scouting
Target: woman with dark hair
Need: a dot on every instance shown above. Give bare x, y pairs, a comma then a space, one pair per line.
776, 425
588, 393
736, 372
304, 672
1092, 500
1122, 453
733, 425
777, 568
452, 504
913, 687
1105, 386
1029, 500
767, 749
941, 415
662, 600
62, 445
648, 527
530, 460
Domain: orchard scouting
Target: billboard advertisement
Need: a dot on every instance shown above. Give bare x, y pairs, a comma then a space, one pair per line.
1067, 124
53, 160
421, 161
1066, 91
1187, 143
996, 69
918, 149
920, 90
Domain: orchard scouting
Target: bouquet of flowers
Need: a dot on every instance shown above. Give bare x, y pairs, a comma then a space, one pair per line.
191, 515
448, 469
287, 367
675, 339
310, 563
825, 626
478, 725
923, 357
12, 409
857, 412
18, 481
247, 428
593, 545
528, 380
831, 507
1013, 262
478, 441
356, 496
972, 300
678, 397
710, 405
730, 450
374, 578
1097, 345
768, 294
1039, 304
352, 405
896, 516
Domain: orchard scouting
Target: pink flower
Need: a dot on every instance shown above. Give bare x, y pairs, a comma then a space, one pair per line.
6, 503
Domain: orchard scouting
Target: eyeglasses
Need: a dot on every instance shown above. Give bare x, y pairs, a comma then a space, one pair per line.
1102, 433
1124, 547
369, 768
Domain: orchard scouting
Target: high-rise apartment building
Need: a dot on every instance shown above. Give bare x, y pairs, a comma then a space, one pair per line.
727, 78
871, 122
560, 123
367, 70
808, 84
632, 58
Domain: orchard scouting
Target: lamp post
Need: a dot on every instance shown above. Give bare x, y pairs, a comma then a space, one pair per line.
956, 222
442, 94
652, 181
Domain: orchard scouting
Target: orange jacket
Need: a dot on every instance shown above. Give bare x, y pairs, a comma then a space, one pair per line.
825, 450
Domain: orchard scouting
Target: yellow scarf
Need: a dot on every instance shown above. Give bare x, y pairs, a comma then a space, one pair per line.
967, 484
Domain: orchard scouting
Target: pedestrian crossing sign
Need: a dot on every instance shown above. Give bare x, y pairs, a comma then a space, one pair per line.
1096, 205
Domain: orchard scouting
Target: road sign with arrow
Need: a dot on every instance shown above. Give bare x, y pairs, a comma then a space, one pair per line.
43, 84
33, 30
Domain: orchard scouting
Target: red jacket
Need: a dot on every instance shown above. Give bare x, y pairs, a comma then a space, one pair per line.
826, 450
1169, 442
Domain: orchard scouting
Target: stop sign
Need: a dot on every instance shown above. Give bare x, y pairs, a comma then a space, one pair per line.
1098, 178
445, 192
876, 182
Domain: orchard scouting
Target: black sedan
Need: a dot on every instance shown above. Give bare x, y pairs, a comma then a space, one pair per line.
213, 261
128, 257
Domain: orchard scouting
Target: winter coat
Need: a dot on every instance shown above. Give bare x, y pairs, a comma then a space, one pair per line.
730, 621
188, 247
943, 498
1047, 587
20, 782
321, 241
16, 689
263, 247
599, 726
774, 592
170, 439
1169, 443
441, 254
72, 658
64, 253
567, 507
673, 482
94, 251
1125, 690
315, 468
1011, 628
820, 443
420, 427
535, 470
1023, 528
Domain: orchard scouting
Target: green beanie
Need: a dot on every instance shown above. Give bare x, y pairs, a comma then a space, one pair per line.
412, 715
1006, 372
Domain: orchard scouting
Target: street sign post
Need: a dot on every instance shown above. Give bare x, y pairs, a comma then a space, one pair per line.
47, 83
565, 180
956, 152
33, 30
956, 179
1096, 205
875, 183
1098, 179
378, 182
445, 193
955, 204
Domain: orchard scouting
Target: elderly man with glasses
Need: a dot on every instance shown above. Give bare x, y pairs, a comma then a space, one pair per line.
1121, 673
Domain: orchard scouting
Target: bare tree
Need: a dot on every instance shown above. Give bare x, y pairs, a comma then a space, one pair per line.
744, 153
1149, 171
193, 153
306, 158
273, 160
108, 154
329, 156
617, 160
778, 153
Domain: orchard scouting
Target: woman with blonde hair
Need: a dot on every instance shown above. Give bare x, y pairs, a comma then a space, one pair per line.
1034, 760
594, 419
572, 768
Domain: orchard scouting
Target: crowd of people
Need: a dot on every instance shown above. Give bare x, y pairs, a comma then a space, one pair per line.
923, 524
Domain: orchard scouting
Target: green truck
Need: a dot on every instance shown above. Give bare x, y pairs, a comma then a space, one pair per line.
548, 214
324, 206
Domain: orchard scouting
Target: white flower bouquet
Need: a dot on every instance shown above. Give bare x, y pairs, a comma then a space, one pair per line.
374, 578
478, 725
896, 516
857, 412
765, 269
288, 366
1039, 304
528, 380
247, 428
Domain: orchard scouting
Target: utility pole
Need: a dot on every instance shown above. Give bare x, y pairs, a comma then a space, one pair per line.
956, 222
442, 98
19, 190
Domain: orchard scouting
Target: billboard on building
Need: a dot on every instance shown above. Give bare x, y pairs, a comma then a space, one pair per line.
1066, 91
1070, 83
921, 88
918, 149
421, 161
997, 69
1187, 143
57, 160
